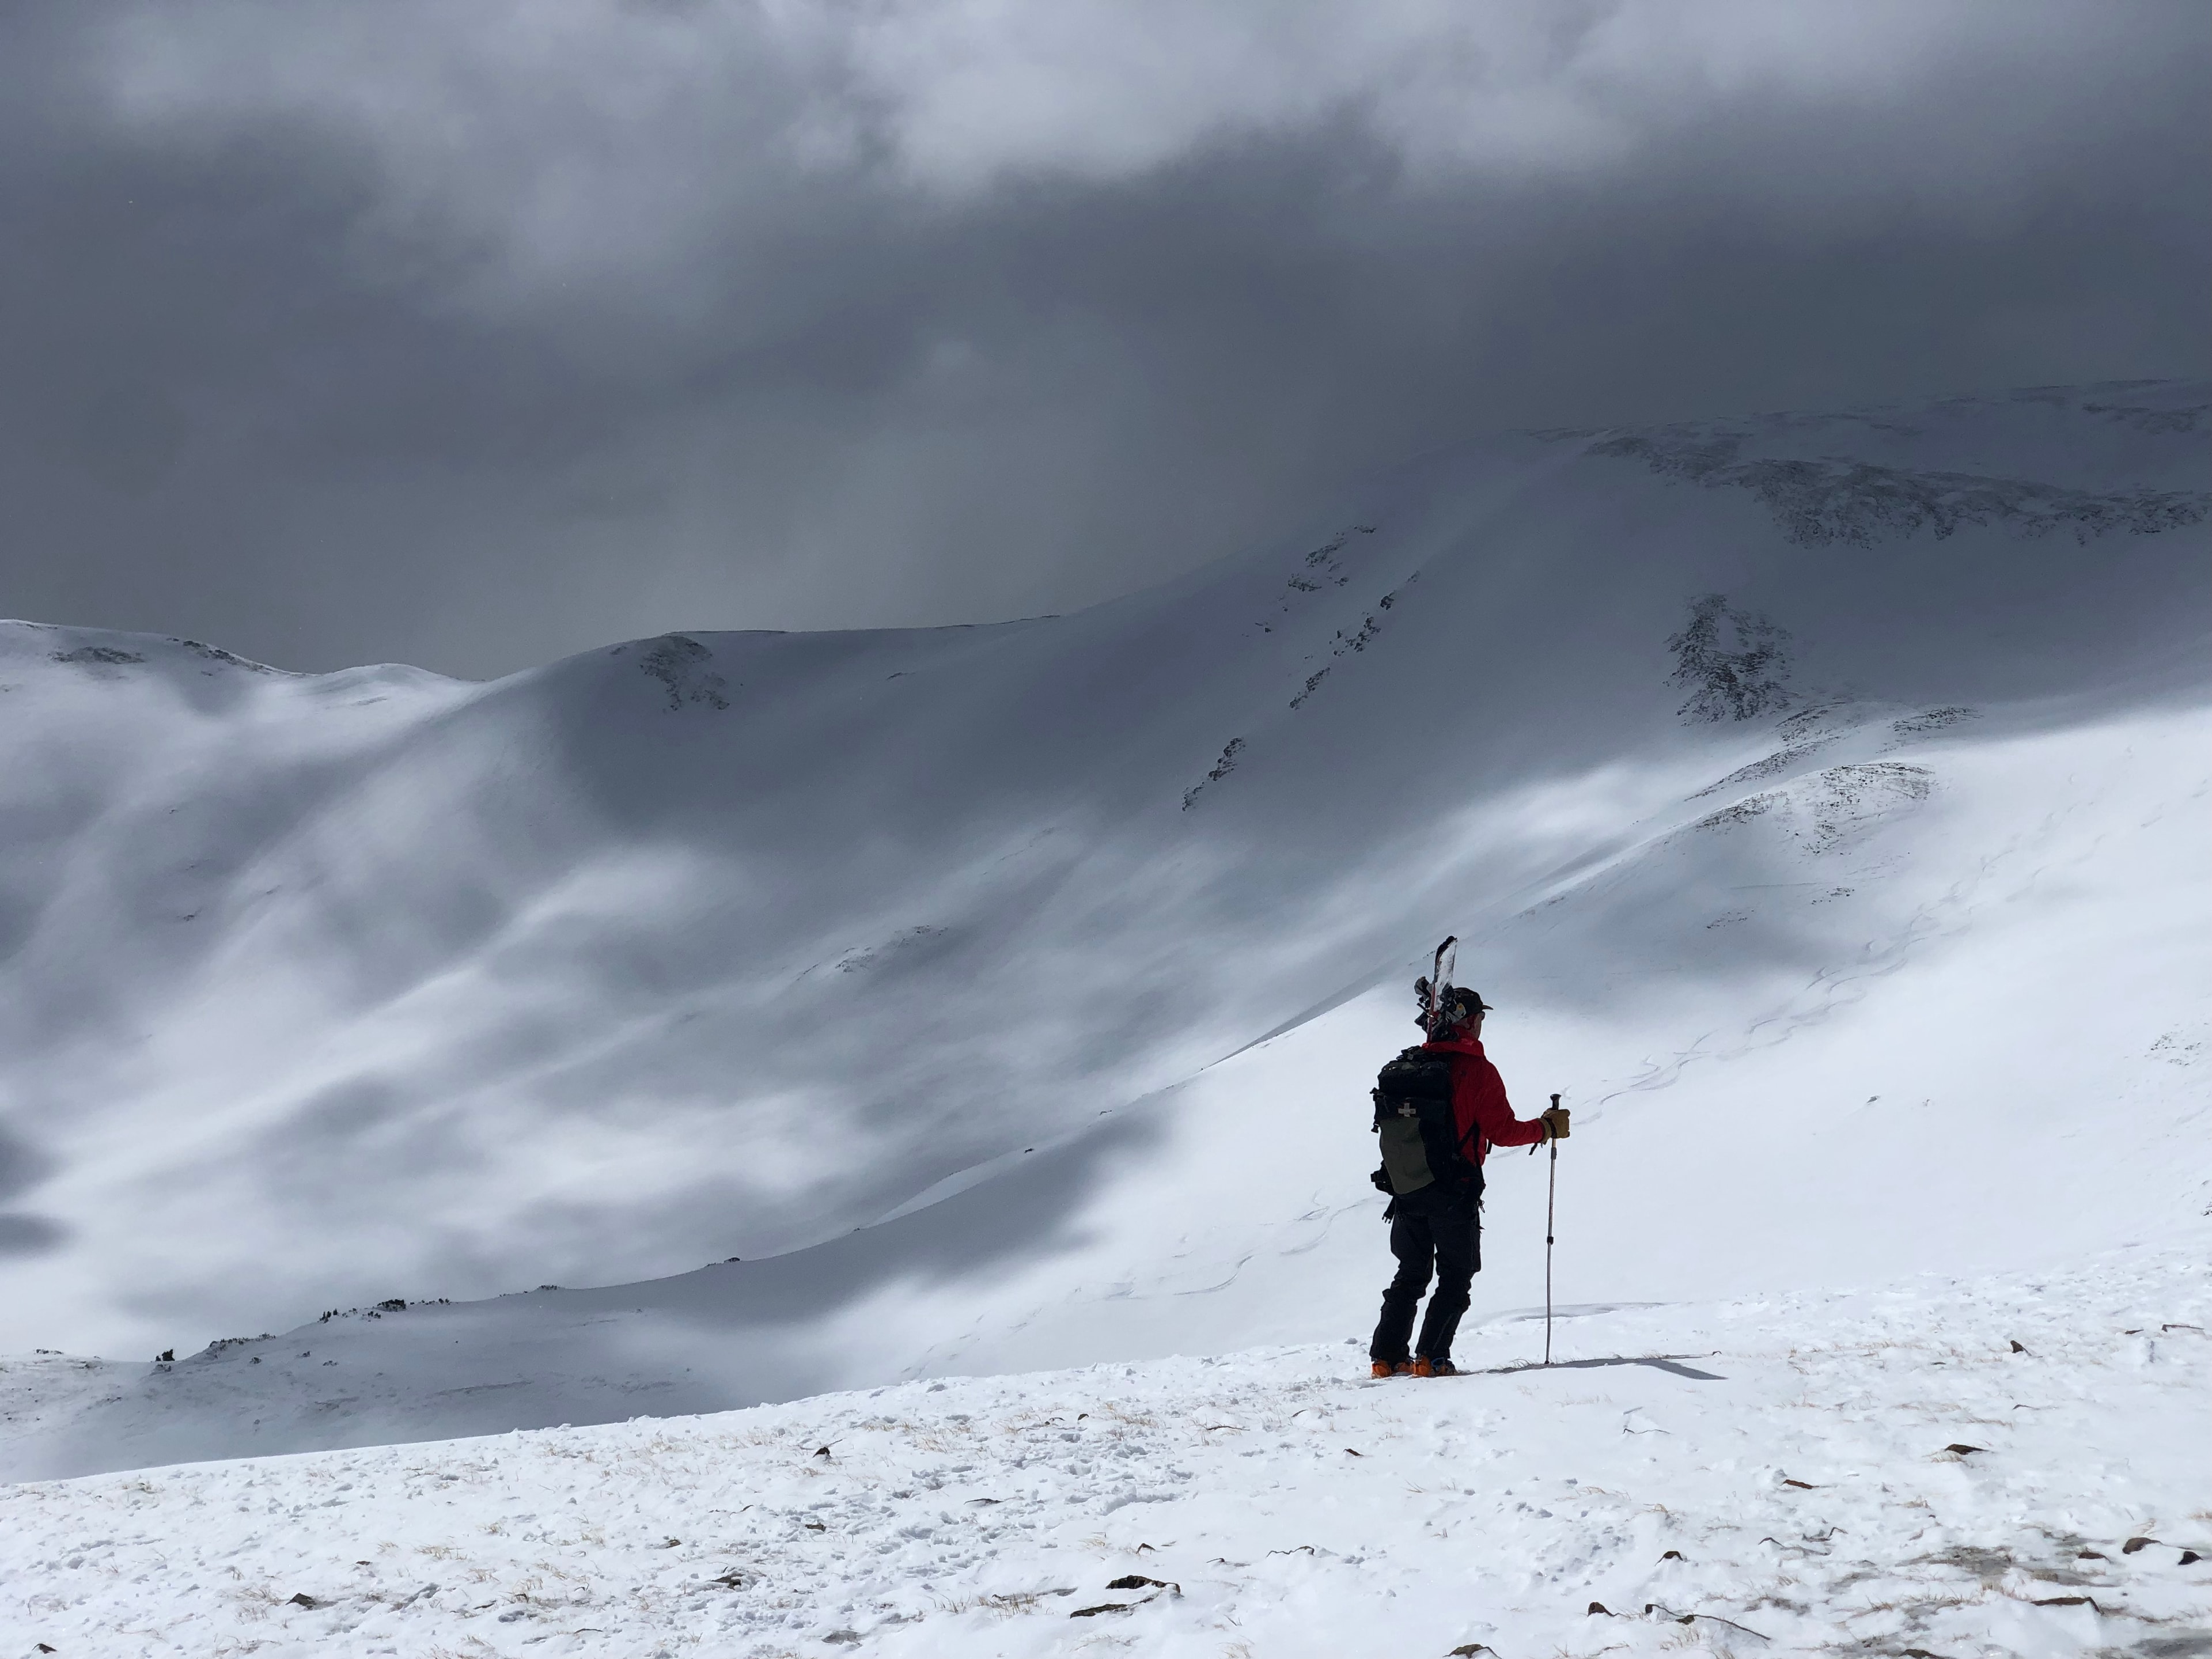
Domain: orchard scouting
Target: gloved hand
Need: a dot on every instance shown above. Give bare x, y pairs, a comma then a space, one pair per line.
1555, 1119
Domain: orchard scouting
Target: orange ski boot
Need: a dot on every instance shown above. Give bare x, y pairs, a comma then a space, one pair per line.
1391, 1368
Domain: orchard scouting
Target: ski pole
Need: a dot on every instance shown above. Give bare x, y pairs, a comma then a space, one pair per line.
1551, 1202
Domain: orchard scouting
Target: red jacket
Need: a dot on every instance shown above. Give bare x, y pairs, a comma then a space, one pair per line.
1479, 1107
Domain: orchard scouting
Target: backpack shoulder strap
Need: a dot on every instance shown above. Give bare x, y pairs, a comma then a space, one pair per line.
1467, 1143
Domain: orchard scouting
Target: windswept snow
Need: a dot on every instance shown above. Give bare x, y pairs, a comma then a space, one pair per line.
1006, 998
1968, 1468
1826, 1031
320, 991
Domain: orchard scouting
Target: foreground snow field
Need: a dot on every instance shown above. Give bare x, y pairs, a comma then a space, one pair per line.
1959, 1467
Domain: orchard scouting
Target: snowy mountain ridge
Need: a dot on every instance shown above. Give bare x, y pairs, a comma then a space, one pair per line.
1006, 997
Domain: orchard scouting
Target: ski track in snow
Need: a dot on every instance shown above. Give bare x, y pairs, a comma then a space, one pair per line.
1287, 1505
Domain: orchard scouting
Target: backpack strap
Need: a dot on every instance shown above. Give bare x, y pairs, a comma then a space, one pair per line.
1473, 1158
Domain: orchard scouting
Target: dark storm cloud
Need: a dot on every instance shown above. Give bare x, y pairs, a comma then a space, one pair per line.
470, 337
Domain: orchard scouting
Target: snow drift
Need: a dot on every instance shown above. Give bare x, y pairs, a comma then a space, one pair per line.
1823, 800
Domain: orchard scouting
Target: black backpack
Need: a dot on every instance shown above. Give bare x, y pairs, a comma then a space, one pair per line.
1419, 1137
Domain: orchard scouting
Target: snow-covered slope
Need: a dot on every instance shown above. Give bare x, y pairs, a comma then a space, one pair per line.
930, 966
1995, 1467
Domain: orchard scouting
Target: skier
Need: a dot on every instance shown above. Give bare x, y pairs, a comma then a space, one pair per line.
1435, 1211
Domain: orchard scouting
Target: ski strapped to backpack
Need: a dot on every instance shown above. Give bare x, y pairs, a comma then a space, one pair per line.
1436, 989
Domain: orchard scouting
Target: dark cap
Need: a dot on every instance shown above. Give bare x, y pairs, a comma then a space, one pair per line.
1460, 1003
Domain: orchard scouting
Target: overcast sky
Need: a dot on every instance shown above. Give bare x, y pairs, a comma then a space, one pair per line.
471, 335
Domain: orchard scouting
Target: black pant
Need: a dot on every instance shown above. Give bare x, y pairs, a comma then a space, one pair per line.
1426, 1227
